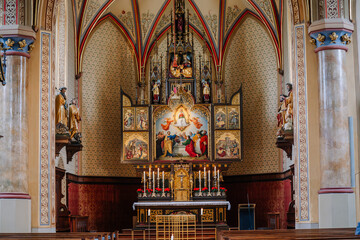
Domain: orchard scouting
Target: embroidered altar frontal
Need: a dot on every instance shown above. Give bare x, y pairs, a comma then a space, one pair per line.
213, 212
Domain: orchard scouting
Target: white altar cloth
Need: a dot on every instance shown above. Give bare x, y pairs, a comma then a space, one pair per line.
182, 204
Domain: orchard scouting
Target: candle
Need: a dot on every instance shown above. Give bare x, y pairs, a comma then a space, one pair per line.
199, 180
149, 177
204, 177
218, 178
158, 178
215, 171
144, 182
153, 181
163, 181
202, 211
209, 180
149, 212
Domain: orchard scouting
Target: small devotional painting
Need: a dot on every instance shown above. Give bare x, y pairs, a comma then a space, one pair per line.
227, 145
136, 146
142, 119
233, 117
220, 117
128, 118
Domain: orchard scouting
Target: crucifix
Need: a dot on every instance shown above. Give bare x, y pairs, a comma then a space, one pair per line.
181, 175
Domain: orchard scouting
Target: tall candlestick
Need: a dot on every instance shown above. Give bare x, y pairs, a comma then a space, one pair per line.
149, 177
158, 178
209, 180
199, 180
218, 178
163, 184
215, 171
205, 177
144, 183
153, 173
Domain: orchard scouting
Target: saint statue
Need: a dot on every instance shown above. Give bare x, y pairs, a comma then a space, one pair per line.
61, 107
285, 112
206, 91
74, 118
156, 92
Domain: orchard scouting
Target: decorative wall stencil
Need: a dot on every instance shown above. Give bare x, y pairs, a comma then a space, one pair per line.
266, 7
252, 54
301, 138
45, 130
21, 12
106, 71
127, 19
212, 21
165, 19
146, 20
10, 12
332, 9
91, 8
296, 11
231, 15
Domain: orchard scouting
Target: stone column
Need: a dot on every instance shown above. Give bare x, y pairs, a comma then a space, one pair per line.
336, 197
15, 203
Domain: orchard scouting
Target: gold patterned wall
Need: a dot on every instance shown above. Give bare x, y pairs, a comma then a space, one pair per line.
251, 61
108, 64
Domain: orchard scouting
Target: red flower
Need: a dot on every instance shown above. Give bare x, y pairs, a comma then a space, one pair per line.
204, 189
222, 189
140, 190
196, 189
167, 190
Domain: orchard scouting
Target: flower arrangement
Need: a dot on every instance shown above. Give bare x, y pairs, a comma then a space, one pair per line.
148, 190
167, 190
214, 189
196, 189
158, 190
222, 189
140, 190
204, 189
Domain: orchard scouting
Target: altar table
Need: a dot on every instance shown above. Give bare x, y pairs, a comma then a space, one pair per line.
214, 212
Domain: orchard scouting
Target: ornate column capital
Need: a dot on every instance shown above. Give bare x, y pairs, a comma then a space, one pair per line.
17, 40
331, 34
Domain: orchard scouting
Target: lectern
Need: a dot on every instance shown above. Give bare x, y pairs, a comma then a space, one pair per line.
246, 218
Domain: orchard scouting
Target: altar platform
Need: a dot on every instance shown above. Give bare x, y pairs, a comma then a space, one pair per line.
213, 212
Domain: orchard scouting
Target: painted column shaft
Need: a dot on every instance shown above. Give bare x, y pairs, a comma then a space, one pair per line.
334, 133
14, 128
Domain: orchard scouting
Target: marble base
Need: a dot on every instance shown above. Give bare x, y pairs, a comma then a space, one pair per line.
337, 210
299, 225
15, 215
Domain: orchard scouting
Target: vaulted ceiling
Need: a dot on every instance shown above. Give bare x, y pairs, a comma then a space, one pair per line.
143, 21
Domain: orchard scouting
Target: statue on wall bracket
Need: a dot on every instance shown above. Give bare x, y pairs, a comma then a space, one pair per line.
61, 112
285, 112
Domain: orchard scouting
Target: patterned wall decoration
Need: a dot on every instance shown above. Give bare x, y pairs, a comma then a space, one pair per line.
251, 61
212, 21
231, 14
265, 5
127, 19
108, 66
92, 6
45, 129
146, 20
300, 128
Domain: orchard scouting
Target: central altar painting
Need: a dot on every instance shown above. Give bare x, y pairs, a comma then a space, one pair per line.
181, 128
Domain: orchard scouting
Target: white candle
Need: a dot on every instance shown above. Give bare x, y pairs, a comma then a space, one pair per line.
215, 171
204, 177
149, 177
158, 178
202, 211
153, 181
209, 180
163, 182
199, 180
218, 178
144, 182
149, 212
